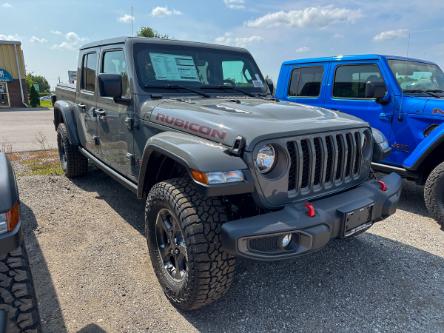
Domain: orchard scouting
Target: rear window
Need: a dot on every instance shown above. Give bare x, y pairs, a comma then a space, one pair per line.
89, 68
306, 81
357, 81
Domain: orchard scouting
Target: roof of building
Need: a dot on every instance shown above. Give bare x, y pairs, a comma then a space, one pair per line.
120, 40
10, 42
352, 58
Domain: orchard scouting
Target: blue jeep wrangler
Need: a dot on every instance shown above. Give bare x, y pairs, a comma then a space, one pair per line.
401, 97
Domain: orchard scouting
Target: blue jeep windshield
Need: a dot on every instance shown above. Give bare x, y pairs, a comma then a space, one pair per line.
418, 77
194, 67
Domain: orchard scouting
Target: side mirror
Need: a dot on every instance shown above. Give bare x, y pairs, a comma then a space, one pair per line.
384, 99
270, 85
110, 85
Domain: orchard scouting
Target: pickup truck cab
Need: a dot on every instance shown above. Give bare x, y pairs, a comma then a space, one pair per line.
225, 169
401, 97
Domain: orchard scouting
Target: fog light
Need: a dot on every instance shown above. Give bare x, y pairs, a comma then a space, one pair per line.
285, 240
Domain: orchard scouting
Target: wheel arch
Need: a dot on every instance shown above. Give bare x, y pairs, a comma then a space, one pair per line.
179, 154
64, 113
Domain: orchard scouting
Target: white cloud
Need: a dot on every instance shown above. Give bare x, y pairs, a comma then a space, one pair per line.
302, 49
235, 4
320, 17
126, 18
35, 39
228, 39
6, 5
391, 34
164, 11
56, 32
72, 42
9, 37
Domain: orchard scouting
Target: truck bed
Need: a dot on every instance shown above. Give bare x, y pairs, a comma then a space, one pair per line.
65, 91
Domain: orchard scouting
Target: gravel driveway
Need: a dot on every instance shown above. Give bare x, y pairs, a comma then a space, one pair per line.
92, 272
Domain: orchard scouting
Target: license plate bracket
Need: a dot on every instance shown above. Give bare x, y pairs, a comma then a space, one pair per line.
357, 220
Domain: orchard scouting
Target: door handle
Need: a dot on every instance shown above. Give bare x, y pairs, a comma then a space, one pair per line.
386, 116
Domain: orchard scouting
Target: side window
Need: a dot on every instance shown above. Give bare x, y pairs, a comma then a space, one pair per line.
89, 67
236, 72
358, 81
306, 81
114, 63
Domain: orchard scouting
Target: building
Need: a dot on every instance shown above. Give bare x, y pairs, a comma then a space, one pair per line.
13, 91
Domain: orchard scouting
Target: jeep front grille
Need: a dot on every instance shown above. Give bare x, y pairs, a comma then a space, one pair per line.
325, 161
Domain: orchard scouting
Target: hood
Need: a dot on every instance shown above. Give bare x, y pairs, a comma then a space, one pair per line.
222, 120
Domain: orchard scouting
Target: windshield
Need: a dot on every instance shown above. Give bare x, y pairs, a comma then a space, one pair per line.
171, 66
416, 76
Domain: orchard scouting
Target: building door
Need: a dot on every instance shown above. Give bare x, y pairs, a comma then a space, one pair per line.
4, 96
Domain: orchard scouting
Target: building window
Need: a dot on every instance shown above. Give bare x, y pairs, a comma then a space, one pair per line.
4, 96
357, 81
89, 67
306, 81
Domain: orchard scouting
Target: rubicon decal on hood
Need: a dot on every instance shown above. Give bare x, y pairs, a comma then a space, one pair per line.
191, 126
438, 111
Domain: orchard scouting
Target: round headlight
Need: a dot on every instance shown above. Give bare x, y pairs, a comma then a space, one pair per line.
266, 158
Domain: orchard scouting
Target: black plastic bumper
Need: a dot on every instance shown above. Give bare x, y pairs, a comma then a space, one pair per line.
11, 240
258, 237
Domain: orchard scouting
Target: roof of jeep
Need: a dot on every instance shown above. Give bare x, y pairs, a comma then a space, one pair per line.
122, 40
352, 58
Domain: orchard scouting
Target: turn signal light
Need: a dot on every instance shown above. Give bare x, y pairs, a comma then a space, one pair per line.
200, 176
311, 212
10, 219
382, 185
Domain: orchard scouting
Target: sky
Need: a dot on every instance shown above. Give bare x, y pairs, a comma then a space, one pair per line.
274, 31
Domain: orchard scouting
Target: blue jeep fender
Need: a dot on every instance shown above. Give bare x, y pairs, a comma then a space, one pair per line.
425, 148
64, 112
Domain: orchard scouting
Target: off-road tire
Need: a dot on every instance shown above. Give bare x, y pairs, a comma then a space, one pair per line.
434, 194
76, 164
210, 269
17, 296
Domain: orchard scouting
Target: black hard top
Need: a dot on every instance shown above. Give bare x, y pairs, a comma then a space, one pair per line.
158, 41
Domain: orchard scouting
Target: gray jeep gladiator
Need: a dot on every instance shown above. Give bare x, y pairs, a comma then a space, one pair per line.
225, 169
18, 303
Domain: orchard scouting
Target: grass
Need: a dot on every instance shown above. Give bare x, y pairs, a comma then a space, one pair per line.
45, 104
37, 163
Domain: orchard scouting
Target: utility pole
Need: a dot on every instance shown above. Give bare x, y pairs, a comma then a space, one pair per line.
132, 21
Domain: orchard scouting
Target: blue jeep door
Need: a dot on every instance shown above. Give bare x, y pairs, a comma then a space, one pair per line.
352, 87
306, 82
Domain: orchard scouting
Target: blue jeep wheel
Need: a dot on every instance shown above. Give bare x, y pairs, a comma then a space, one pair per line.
434, 194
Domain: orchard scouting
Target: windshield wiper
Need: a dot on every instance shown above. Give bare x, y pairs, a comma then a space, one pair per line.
222, 87
420, 91
177, 87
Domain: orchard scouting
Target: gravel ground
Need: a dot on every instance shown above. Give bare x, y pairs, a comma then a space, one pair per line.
92, 272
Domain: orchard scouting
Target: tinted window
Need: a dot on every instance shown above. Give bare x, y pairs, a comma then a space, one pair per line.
89, 71
114, 63
236, 72
357, 81
306, 81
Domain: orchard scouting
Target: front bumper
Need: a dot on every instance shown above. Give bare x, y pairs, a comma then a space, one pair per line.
257, 237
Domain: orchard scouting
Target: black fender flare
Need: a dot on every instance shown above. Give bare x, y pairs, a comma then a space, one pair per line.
193, 153
8, 185
66, 110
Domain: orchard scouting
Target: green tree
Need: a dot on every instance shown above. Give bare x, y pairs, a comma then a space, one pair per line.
32, 79
150, 33
34, 98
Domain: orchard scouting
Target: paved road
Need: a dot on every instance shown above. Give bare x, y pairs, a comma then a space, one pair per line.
92, 272
26, 130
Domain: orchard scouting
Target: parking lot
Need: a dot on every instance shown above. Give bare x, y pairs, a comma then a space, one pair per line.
92, 272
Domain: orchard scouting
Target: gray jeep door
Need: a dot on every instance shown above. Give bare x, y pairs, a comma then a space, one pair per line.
116, 140
86, 100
